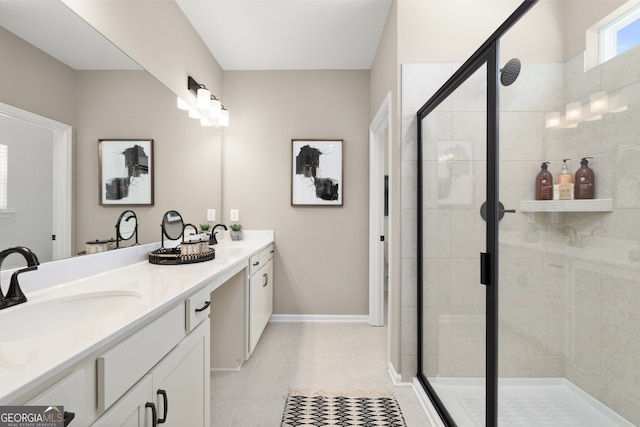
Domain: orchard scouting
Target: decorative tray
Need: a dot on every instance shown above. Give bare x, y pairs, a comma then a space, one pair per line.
174, 256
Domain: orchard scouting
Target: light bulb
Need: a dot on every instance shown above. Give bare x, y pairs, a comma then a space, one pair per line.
215, 108
224, 118
203, 98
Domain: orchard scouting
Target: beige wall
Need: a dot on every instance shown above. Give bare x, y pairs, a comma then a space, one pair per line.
321, 263
34, 81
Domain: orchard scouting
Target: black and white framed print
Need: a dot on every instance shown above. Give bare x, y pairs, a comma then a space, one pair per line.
126, 171
317, 172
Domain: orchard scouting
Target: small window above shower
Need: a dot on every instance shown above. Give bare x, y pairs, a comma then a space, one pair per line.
620, 35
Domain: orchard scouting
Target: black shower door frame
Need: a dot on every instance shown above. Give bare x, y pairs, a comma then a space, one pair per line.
489, 54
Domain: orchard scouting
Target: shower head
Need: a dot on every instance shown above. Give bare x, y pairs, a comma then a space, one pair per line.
509, 73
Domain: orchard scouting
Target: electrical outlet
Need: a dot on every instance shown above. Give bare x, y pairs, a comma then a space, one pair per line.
235, 215
211, 214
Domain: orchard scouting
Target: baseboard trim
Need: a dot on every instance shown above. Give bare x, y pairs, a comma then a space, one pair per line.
340, 318
396, 378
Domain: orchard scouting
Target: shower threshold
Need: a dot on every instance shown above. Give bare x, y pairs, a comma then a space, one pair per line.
524, 402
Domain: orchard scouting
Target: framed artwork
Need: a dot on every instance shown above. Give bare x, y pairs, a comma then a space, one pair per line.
125, 168
316, 178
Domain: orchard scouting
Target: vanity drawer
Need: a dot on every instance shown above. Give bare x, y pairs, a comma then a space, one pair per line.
254, 264
197, 307
127, 362
260, 259
266, 254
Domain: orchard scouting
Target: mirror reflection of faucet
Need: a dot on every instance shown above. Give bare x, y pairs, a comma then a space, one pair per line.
15, 295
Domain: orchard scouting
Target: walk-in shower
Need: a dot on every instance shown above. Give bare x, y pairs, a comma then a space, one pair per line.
531, 318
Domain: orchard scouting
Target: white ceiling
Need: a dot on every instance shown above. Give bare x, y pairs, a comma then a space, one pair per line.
289, 34
241, 34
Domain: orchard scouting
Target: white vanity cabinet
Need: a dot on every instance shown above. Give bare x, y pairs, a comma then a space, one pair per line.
260, 294
176, 389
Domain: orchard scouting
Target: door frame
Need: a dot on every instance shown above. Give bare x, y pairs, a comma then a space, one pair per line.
379, 130
62, 175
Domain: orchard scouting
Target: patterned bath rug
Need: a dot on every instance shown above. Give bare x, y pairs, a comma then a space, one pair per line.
333, 409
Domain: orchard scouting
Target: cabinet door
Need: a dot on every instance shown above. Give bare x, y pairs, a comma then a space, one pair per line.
71, 394
131, 410
181, 382
260, 302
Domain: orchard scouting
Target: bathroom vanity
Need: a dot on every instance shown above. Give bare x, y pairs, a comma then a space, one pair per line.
133, 345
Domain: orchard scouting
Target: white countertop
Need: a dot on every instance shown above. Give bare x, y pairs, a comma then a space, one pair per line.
130, 295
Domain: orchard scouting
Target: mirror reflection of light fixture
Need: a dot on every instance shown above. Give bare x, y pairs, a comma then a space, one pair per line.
573, 111
598, 102
204, 121
182, 104
553, 120
194, 114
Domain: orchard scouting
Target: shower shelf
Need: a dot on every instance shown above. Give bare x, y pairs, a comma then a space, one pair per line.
594, 205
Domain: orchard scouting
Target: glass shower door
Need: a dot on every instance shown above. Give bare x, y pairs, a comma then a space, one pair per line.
453, 310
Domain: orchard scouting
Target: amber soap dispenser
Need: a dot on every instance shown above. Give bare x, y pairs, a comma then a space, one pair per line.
584, 181
544, 183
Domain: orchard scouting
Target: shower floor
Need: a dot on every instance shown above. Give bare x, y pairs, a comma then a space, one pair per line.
526, 403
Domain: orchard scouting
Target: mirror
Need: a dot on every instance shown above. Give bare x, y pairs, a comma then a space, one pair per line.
172, 226
126, 227
94, 96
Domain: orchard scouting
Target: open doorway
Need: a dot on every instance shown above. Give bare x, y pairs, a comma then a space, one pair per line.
379, 215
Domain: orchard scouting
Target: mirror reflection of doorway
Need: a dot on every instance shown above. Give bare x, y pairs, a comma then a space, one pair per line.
38, 184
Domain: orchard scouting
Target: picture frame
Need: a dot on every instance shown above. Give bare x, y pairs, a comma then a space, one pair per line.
317, 172
125, 171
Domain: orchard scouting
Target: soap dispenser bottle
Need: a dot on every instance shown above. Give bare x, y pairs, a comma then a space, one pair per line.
565, 177
544, 183
585, 180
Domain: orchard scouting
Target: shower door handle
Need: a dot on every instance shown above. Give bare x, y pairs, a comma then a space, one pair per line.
501, 211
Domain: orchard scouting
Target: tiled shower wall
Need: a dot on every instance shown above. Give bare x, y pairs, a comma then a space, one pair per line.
570, 282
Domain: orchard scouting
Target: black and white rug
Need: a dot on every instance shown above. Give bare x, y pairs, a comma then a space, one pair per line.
328, 409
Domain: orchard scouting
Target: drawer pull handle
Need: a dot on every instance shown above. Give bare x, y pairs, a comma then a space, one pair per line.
152, 405
256, 263
204, 307
68, 417
165, 403
266, 279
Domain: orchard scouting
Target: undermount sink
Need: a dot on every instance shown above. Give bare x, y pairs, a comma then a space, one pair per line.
57, 315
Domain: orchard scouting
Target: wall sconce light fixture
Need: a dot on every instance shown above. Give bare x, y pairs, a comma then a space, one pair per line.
211, 109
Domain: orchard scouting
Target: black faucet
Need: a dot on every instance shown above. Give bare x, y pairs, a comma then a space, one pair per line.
14, 294
212, 238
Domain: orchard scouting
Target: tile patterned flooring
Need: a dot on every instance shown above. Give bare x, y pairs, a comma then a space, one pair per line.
313, 356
